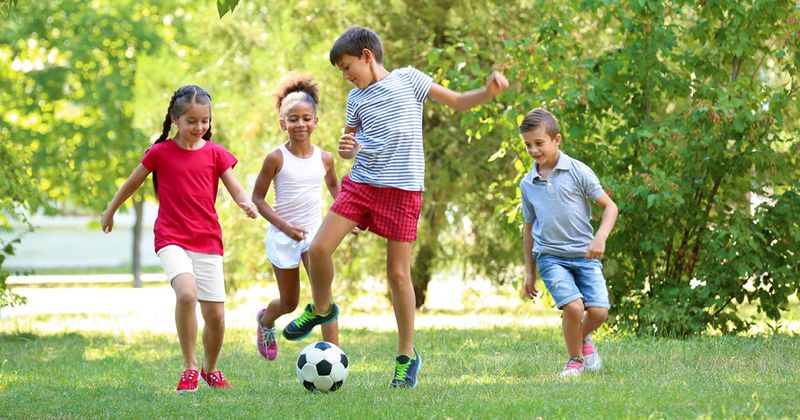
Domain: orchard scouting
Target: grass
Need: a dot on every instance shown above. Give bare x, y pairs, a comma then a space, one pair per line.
507, 372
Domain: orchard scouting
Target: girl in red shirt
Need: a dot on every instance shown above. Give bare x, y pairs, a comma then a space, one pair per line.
188, 238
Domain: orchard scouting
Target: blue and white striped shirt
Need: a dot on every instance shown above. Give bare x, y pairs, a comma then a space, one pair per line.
387, 116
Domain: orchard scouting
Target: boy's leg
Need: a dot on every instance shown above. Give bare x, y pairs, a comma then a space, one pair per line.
330, 331
185, 318
572, 323
330, 234
213, 332
594, 318
398, 271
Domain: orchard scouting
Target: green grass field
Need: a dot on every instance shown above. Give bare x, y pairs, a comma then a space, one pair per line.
467, 373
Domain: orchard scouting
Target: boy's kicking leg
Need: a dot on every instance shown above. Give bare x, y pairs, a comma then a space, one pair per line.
398, 272
330, 234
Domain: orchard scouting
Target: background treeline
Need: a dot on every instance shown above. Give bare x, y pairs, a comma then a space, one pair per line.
687, 110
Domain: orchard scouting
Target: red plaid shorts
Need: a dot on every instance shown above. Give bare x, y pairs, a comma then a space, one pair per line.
388, 212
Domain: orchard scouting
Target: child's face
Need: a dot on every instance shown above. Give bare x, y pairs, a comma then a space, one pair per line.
542, 147
194, 123
356, 70
299, 121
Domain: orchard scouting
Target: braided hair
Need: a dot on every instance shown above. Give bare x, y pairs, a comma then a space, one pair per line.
178, 104
294, 88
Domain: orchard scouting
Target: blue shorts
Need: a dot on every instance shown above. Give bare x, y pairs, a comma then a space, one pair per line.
568, 279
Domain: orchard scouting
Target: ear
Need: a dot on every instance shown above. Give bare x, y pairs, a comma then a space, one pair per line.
557, 139
367, 54
283, 124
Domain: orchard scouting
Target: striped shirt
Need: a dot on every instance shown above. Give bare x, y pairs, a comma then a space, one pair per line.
387, 116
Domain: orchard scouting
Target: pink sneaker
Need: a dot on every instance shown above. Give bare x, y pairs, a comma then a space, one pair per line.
214, 379
188, 382
591, 357
266, 341
572, 369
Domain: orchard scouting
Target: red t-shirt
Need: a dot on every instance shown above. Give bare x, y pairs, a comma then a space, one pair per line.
187, 191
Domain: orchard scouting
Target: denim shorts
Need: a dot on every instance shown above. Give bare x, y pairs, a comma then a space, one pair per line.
568, 279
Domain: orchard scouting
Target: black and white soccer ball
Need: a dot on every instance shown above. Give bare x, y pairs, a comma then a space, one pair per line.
322, 366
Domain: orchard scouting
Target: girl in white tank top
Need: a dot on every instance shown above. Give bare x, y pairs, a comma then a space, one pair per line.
297, 169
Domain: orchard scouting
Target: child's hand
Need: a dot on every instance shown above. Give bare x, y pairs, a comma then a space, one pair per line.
295, 232
347, 146
496, 83
529, 288
107, 220
249, 208
596, 249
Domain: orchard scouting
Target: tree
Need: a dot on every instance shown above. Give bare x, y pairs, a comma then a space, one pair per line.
68, 97
685, 111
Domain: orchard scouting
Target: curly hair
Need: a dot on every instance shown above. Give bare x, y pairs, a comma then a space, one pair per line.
293, 88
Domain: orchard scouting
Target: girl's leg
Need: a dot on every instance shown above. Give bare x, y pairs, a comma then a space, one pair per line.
330, 331
398, 271
330, 234
289, 294
594, 318
572, 323
213, 332
185, 318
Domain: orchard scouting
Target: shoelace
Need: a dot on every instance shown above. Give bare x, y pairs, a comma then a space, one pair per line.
268, 335
400, 374
574, 364
191, 375
305, 317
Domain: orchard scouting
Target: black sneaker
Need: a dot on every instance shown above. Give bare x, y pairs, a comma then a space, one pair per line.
301, 327
405, 371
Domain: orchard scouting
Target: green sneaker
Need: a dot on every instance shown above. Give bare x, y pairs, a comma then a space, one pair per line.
301, 327
405, 371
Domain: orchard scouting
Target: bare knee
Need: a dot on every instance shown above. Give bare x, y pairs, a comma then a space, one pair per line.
214, 316
318, 251
185, 297
598, 314
573, 309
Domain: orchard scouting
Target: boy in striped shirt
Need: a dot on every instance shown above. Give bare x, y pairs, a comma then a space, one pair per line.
383, 192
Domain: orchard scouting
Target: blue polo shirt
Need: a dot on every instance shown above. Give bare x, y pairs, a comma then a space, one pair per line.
559, 208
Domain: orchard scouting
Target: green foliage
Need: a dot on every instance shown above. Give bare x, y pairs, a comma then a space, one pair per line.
686, 113
225, 6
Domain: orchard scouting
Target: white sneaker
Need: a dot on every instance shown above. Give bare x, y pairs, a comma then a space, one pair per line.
572, 369
591, 358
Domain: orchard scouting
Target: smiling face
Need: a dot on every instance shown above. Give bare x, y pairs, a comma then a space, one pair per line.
542, 148
357, 70
299, 121
193, 123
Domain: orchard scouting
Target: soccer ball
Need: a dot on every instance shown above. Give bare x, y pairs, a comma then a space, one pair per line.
321, 366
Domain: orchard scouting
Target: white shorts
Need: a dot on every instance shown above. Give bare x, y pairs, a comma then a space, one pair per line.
209, 277
283, 251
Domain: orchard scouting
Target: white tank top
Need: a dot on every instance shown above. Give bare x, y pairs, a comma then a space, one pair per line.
298, 189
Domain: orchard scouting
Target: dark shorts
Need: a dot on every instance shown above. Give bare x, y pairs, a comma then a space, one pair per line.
388, 212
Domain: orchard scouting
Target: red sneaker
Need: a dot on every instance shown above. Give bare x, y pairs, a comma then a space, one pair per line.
214, 379
188, 382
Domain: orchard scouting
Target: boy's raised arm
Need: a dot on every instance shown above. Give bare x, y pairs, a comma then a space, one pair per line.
464, 101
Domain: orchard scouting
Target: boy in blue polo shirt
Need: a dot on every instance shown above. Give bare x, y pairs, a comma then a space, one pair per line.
558, 237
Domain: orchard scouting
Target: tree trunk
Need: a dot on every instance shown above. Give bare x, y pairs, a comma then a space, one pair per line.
421, 272
136, 260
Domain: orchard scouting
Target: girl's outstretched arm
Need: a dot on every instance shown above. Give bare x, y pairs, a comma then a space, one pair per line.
127, 189
238, 193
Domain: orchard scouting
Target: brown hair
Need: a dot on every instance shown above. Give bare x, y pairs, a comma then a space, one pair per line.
353, 41
538, 117
293, 88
